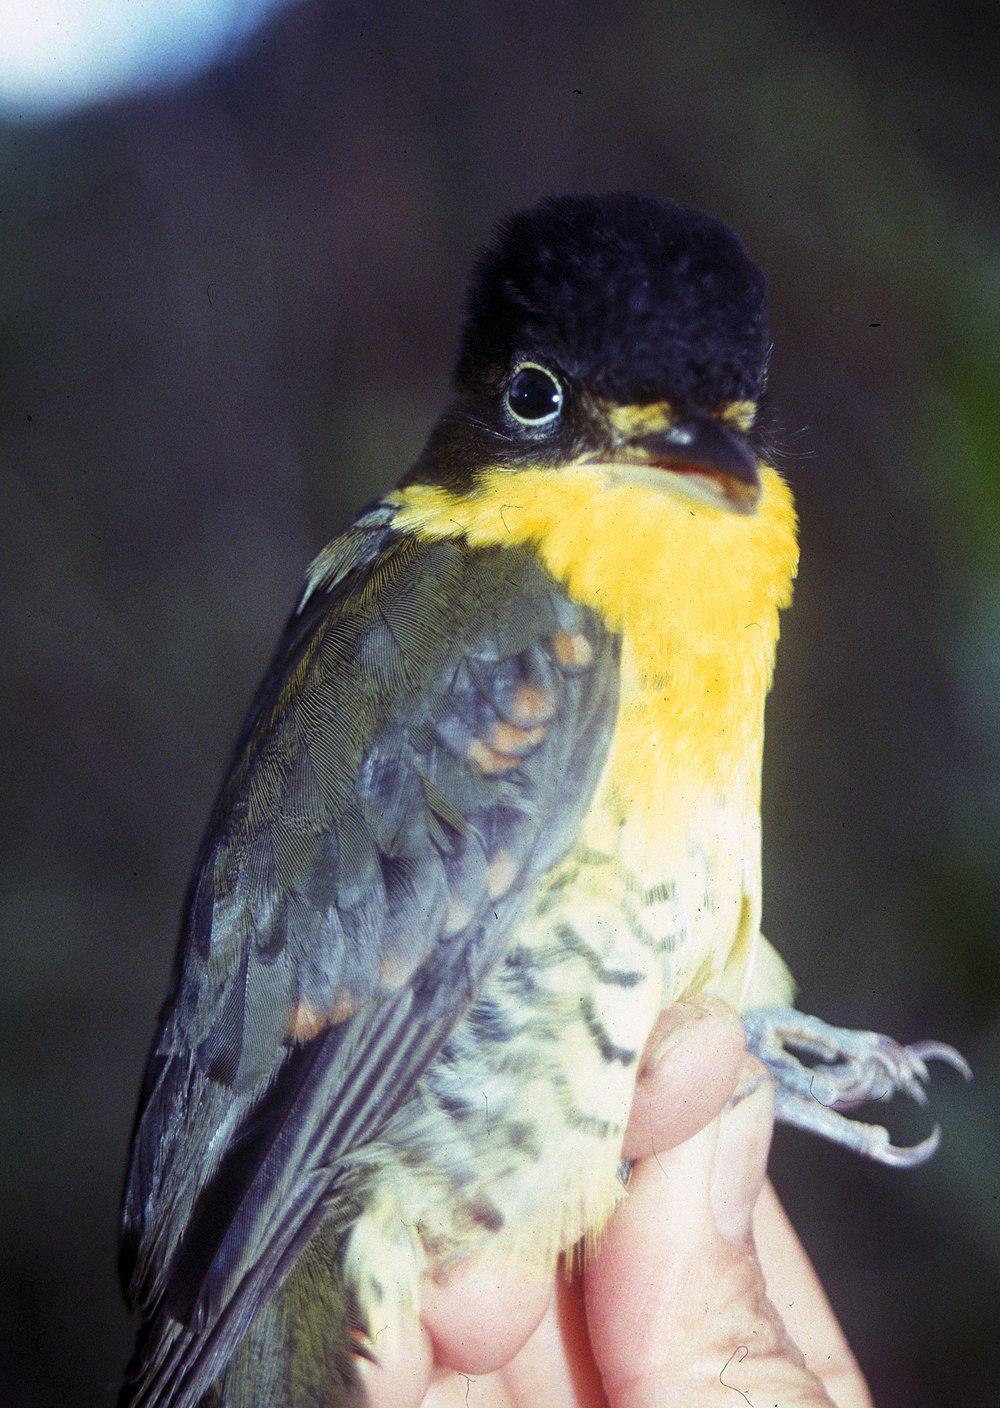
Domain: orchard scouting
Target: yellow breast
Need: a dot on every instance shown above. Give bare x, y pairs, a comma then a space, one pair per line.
694, 591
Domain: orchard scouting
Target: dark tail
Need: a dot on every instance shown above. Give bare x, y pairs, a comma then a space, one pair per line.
297, 1353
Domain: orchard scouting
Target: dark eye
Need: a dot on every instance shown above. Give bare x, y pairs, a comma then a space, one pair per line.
534, 395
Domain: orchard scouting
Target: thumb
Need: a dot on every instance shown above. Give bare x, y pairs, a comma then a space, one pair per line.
676, 1304
665, 1262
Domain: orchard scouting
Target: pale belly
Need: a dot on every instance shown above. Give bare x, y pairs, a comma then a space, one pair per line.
694, 865
513, 1138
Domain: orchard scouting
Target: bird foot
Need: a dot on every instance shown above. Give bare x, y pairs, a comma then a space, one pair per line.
852, 1067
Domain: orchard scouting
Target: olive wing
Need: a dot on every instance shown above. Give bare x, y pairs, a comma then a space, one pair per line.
422, 751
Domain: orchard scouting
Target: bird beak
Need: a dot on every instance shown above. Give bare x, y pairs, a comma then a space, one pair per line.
713, 460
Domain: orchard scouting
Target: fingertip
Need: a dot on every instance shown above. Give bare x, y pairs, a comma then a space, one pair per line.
482, 1311
691, 1067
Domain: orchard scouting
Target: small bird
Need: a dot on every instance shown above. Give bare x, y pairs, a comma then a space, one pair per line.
496, 804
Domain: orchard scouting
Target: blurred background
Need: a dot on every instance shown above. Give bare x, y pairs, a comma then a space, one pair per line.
233, 242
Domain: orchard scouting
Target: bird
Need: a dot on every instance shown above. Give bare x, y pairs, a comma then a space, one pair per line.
495, 805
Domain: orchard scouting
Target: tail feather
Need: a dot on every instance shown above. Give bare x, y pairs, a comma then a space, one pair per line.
298, 1349
181, 1354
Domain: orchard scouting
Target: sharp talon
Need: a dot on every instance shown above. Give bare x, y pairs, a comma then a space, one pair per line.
910, 1157
853, 1067
939, 1051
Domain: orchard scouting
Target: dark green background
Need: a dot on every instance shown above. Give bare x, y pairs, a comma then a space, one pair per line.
226, 320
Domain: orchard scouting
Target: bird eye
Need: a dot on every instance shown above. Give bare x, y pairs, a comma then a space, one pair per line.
534, 396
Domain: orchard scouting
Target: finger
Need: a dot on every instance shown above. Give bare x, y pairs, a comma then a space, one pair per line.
401, 1372
676, 1301
452, 1390
556, 1367
648, 1261
688, 1072
745, 1130
794, 1287
663, 1255
482, 1311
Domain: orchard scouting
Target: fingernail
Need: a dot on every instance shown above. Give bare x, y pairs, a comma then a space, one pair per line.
745, 1128
671, 1028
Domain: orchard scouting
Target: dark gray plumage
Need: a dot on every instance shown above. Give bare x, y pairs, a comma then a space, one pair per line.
339, 922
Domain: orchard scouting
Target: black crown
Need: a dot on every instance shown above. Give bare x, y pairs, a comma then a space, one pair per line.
636, 297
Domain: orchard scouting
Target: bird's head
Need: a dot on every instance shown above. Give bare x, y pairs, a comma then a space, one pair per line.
621, 330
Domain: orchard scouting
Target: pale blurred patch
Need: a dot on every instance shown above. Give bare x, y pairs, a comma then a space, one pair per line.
58, 54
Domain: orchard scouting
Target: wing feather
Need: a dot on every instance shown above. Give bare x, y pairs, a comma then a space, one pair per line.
421, 724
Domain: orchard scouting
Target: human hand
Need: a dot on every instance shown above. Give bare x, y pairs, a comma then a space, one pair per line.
699, 1288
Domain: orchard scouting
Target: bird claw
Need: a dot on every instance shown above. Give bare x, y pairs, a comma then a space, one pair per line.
854, 1067
940, 1051
903, 1156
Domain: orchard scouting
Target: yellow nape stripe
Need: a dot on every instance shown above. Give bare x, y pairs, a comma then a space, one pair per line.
693, 588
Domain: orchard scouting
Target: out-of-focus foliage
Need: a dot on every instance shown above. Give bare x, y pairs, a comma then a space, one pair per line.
226, 316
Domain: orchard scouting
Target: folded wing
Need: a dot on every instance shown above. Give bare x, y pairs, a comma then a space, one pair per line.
422, 751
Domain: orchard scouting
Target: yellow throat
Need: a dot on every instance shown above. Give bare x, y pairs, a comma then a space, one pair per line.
693, 589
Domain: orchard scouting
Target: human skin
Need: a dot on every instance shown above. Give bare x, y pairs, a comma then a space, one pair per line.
699, 1293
